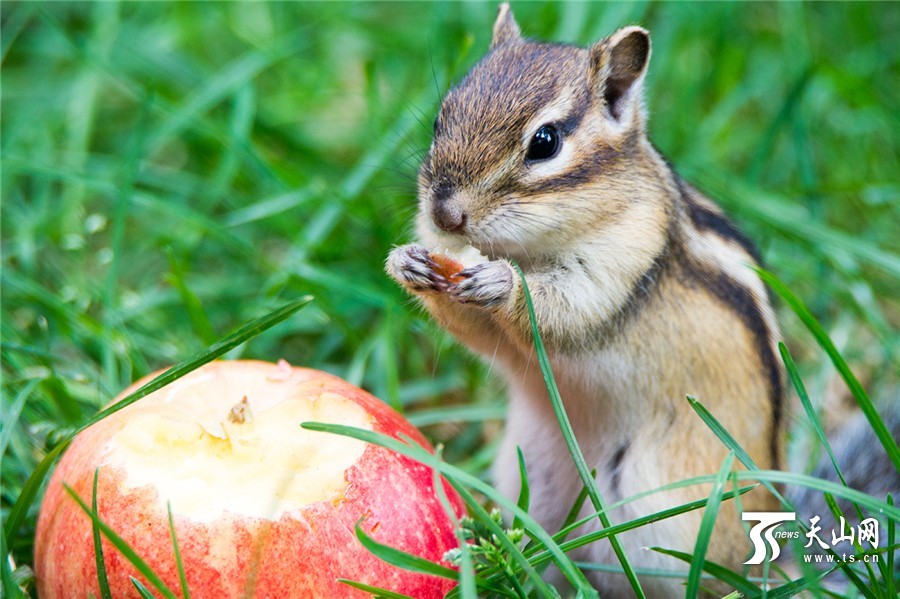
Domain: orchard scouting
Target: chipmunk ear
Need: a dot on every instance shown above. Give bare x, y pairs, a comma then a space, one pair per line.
505, 27
618, 65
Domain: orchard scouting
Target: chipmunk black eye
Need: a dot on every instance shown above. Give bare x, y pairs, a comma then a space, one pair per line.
544, 144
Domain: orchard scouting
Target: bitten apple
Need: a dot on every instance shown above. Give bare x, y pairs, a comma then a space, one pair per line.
261, 507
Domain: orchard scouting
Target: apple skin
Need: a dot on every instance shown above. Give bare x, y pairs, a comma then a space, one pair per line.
298, 555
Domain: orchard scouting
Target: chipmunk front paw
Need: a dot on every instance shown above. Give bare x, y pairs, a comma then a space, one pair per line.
487, 285
415, 270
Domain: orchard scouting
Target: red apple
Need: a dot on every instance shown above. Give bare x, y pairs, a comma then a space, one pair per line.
261, 507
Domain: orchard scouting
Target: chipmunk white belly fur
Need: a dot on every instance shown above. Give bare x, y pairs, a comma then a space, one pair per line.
643, 290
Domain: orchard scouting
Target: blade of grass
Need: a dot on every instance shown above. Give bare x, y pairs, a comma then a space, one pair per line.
15, 22
325, 220
102, 579
160, 205
469, 413
163, 207
273, 206
788, 106
706, 526
569, 437
767, 477
642, 521
795, 587
10, 588
575, 510
180, 117
867, 501
680, 484
524, 492
402, 559
30, 488
36, 293
807, 406
480, 514
82, 100
812, 417
375, 591
887, 575
538, 558
839, 517
790, 219
218, 349
243, 111
720, 572
385, 351
192, 304
891, 532
500, 536
123, 547
185, 593
779, 476
11, 415
824, 341
766, 566
467, 584
241, 335
489, 587
642, 572
361, 292
226, 81
453, 473
567, 525
143, 591
123, 203
663, 573
730, 442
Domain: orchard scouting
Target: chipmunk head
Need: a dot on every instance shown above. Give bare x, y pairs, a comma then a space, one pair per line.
534, 141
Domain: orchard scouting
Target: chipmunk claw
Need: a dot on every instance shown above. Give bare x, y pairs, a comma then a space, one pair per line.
413, 267
487, 285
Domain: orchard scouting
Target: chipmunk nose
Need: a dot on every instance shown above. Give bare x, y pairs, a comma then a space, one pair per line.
448, 216
445, 209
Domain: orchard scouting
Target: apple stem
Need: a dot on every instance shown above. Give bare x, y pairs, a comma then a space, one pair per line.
240, 412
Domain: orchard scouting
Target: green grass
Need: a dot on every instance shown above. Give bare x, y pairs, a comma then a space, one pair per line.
172, 171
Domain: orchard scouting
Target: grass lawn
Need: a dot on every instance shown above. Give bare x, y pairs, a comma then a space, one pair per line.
171, 171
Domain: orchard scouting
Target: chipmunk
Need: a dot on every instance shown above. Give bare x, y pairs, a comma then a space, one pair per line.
644, 291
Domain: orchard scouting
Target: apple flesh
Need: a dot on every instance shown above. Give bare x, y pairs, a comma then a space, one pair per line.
261, 507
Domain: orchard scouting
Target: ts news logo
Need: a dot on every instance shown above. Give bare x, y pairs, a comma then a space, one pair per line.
766, 529
764, 533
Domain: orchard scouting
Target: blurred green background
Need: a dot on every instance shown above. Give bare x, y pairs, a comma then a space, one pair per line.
172, 170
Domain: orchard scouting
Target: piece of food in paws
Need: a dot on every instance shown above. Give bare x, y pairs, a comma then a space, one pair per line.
447, 267
451, 263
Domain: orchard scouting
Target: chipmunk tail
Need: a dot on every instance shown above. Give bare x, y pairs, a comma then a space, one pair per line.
866, 467
863, 462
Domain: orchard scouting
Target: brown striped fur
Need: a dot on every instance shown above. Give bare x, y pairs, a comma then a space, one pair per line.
643, 291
